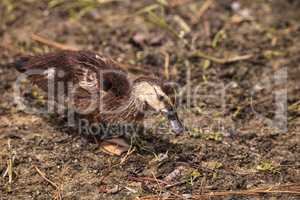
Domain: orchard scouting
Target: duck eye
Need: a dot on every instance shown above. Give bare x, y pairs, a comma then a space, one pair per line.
160, 97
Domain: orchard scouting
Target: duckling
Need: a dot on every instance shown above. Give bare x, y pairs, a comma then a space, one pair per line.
97, 88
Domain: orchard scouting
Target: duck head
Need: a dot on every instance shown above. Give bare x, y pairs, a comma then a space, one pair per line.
151, 94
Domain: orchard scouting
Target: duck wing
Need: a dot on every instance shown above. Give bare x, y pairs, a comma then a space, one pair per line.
79, 78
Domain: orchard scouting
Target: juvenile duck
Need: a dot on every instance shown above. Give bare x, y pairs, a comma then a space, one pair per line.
97, 88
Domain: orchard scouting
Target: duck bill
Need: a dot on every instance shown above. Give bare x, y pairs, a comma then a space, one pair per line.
175, 123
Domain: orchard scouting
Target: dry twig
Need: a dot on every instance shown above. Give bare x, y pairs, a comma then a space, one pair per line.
205, 6
10, 166
221, 60
293, 189
129, 152
54, 44
49, 181
166, 65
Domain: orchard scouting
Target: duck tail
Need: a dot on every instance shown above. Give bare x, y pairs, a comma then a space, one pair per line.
19, 64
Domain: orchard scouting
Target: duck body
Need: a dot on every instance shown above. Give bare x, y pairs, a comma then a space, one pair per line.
96, 87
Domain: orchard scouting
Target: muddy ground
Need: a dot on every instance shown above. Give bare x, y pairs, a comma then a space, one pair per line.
244, 138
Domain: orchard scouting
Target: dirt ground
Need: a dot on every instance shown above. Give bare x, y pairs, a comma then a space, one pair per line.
236, 141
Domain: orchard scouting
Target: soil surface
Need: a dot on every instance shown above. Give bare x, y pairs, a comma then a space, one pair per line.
237, 67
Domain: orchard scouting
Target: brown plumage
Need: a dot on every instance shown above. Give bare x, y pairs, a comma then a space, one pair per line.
97, 88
